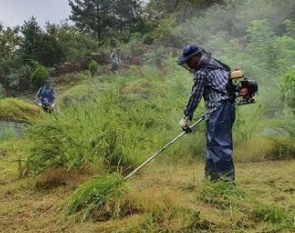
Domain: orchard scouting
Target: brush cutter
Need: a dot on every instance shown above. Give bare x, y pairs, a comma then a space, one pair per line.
188, 130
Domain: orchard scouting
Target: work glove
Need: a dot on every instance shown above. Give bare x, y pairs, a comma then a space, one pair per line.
184, 125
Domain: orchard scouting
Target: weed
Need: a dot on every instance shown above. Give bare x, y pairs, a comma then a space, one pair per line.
220, 193
96, 194
278, 218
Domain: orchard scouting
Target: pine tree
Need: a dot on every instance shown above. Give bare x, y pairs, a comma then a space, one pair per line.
104, 17
31, 46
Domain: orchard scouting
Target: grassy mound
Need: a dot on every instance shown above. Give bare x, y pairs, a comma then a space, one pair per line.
12, 109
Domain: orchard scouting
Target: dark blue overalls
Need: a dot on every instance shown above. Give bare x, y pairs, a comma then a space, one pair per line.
219, 162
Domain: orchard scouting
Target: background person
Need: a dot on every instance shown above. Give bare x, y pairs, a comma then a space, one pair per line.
115, 58
45, 97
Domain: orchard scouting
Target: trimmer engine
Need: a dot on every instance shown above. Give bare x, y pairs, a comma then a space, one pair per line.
242, 89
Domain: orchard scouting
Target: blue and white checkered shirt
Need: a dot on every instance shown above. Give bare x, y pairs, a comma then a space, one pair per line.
209, 83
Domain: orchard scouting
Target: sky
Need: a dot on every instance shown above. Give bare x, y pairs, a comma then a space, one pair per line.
15, 12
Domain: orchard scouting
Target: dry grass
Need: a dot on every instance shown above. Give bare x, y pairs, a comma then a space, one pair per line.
59, 177
12, 109
163, 199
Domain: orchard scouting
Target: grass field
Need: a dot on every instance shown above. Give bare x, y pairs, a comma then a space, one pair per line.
262, 201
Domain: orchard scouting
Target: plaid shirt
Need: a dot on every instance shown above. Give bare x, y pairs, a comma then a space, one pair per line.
209, 83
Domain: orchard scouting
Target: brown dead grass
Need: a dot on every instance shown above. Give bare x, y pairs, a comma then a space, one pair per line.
158, 189
59, 177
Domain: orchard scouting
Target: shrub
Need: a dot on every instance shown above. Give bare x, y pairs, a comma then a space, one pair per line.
288, 88
148, 39
40, 75
14, 81
93, 67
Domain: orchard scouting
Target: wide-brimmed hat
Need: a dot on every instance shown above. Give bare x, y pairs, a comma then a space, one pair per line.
188, 52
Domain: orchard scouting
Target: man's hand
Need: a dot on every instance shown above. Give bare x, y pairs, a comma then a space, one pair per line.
184, 125
52, 105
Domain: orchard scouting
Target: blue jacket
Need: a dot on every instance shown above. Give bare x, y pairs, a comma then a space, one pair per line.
46, 96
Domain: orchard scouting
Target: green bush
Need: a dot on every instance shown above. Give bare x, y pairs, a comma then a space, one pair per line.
14, 81
148, 39
93, 67
288, 88
40, 75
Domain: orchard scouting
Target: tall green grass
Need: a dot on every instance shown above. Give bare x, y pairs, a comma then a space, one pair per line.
124, 121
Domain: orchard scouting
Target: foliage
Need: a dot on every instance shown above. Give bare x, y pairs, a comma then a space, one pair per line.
164, 28
40, 75
279, 218
288, 88
180, 10
283, 136
31, 45
78, 94
75, 45
13, 81
92, 196
101, 133
2, 92
156, 58
104, 18
9, 42
148, 39
52, 52
247, 122
106, 141
93, 67
290, 28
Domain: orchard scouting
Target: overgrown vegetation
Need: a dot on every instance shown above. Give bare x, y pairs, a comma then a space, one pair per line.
17, 110
97, 194
109, 124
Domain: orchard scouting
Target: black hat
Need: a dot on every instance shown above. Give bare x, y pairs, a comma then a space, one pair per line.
188, 52
47, 82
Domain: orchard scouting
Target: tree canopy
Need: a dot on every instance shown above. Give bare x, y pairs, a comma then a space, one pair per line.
103, 17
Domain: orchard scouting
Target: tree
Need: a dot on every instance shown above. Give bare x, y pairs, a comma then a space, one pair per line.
31, 46
51, 50
182, 10
9, 42
104, 18
75, 45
